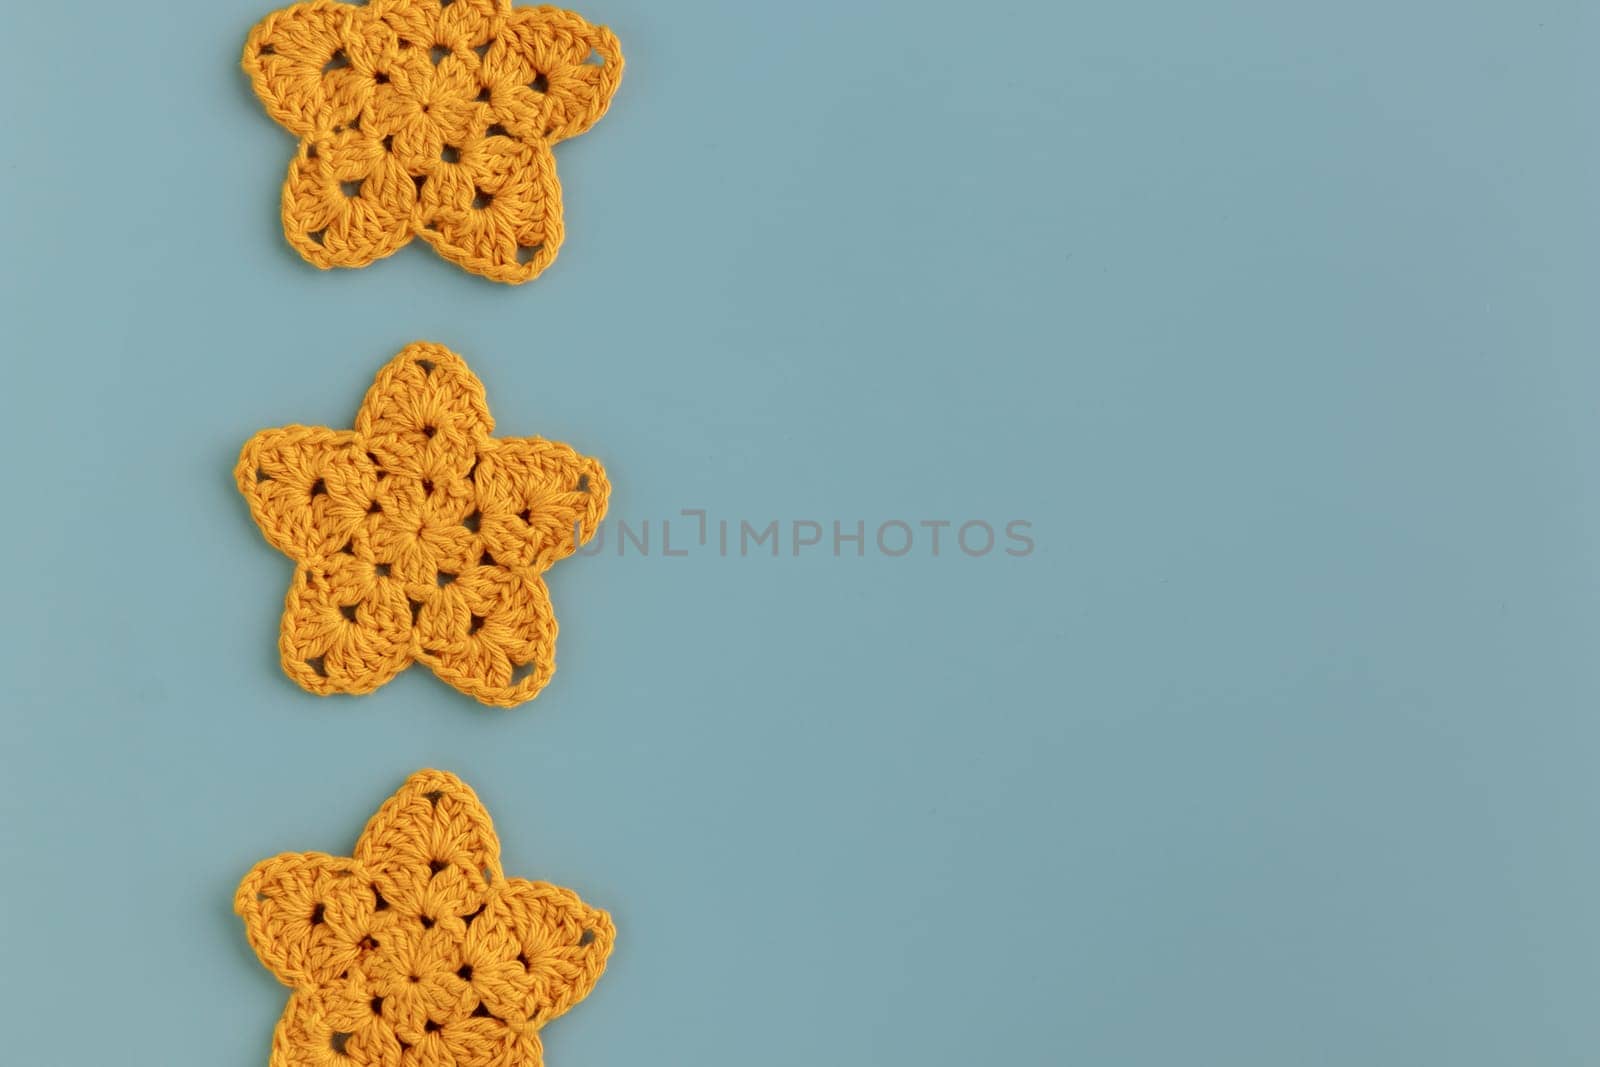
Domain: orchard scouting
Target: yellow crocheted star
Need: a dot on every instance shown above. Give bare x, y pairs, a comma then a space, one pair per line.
431, 118
417, 536
417, 951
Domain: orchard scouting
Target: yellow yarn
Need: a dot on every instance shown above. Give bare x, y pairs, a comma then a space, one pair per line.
417, 951
418, 536
430, 118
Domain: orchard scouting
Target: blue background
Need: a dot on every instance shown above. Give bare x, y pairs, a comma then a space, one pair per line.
1276, 321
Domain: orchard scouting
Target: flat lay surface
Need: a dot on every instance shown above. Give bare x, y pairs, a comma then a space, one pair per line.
1241, 360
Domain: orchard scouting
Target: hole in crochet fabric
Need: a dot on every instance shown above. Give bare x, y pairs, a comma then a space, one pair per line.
497, 130
380, 77
374, 508
540, 83
350, 189
316, 915
311, 151
388, 142
427, 922
587, 938
444, 578
483, 95
348, 549
486, 560
482, 49
337, 61
520, 672
262, 476
376, 1005
472, 472
488, 879
475, 625
354, 124
525, 253
468, 918
416, 609
583, 483
429, 431
433, 798
437, 53
316, 235
594, 59
451, 154
522, 958
267, 50
481, 1012
337, 1041
526, 515
367, 944
427, 483
432, 1027
437, 865
378, 903
404, 1045
481, 199
427, 365
473, 521
348, 611
465, 973
418, 180
318, 665
381, 570
431, 225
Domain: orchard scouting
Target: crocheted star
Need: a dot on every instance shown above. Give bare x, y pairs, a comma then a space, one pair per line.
417, 536
417, 949
430, 118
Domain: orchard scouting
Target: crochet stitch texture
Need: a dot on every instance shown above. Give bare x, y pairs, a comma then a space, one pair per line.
430, 118
417, 951
418, 536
